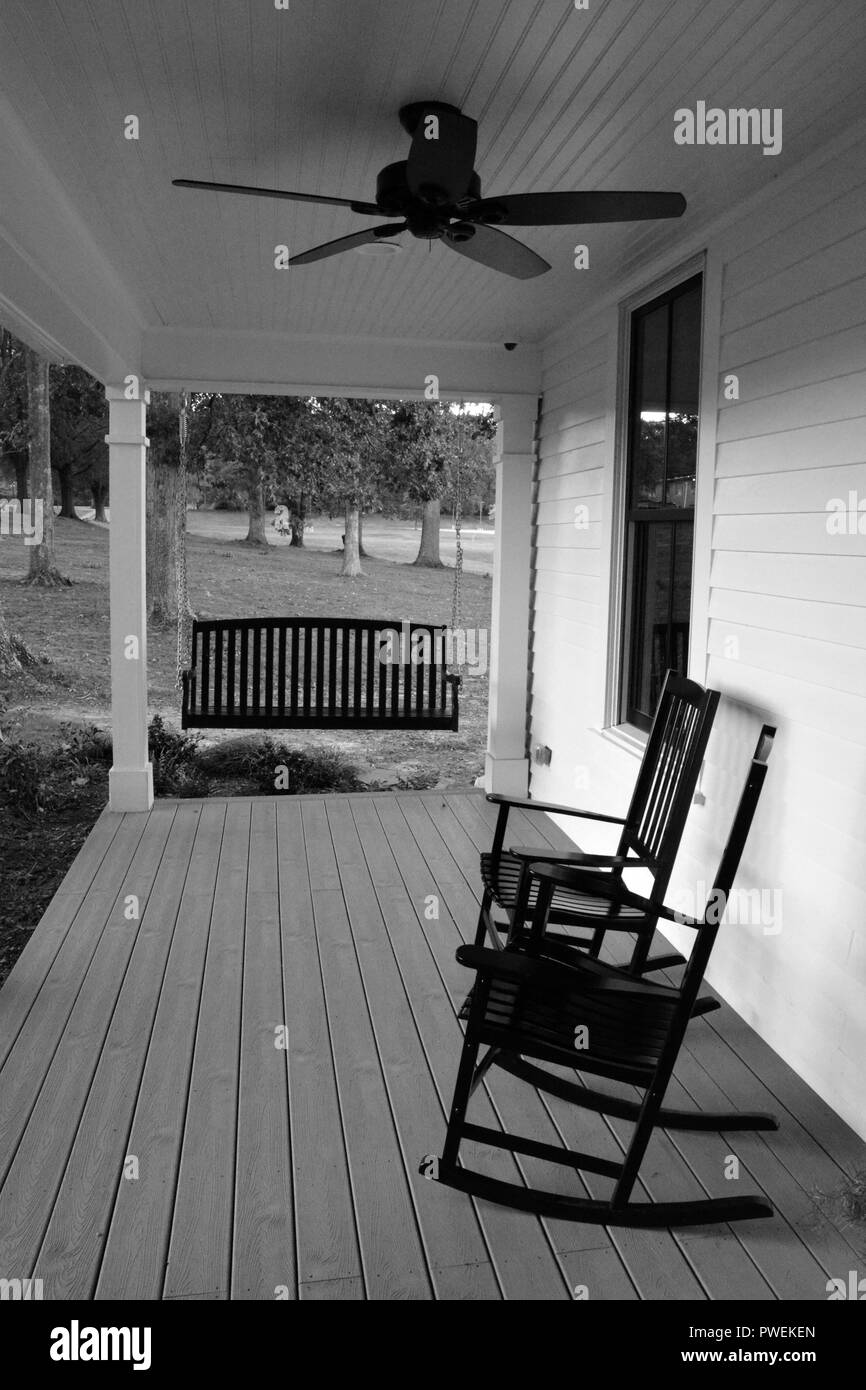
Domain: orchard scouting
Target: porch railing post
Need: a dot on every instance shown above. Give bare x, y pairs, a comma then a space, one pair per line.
506, 765
131, 777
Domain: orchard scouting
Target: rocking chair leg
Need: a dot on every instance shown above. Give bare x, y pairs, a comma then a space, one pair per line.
483, 918
483, 1068
638, 962
466, 1073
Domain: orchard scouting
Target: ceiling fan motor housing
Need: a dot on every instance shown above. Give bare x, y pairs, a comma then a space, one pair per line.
395, 199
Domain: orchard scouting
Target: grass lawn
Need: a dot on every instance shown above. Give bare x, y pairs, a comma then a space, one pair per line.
69, 627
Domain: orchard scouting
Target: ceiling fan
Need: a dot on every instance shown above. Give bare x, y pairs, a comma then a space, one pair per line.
437, 195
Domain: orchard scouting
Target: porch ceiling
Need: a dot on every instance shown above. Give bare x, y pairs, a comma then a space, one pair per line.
307, 99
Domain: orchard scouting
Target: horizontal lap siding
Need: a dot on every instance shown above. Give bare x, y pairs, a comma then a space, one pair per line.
786, 637
787, 620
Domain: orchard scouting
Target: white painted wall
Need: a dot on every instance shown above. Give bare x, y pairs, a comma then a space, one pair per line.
786, 311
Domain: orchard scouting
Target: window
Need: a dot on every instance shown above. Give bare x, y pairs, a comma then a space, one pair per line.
660, 494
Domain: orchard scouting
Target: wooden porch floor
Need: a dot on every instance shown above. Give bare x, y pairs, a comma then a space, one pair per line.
156, 1141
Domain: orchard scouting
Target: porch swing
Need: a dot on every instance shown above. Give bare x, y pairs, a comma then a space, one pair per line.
314, 673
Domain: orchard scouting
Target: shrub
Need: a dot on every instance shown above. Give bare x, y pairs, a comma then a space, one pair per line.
87, 745
35, 779
278, 767
174, 758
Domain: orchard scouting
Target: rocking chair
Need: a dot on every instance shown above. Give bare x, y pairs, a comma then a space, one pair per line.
650, 838
624, 1028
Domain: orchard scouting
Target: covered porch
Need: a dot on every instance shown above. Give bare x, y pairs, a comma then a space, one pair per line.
233, 1037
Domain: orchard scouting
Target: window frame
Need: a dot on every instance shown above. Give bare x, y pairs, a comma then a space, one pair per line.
631, 735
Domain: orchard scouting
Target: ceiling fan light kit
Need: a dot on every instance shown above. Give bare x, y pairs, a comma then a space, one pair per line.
436, 195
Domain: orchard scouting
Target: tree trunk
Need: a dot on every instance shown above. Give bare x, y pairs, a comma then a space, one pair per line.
20, 461
43, 568
297, 519
67, 494
428, 550
99, 492
256, 503
361, 551
351, 557
10, 663
161, 578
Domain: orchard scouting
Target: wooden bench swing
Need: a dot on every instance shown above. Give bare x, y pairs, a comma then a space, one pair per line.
318, 673
312, 673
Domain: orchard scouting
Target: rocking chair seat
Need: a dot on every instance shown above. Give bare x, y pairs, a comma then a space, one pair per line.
535, 1008
570, 907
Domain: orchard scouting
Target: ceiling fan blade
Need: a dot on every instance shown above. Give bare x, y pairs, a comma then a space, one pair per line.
348, 243
497, 251
442, 156
572, 209
368, 209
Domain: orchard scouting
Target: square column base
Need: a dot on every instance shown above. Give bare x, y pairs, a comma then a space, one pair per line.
130, 788
506, 776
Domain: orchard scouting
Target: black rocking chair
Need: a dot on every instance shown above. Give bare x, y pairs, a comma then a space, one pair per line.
624, 1028
650, 838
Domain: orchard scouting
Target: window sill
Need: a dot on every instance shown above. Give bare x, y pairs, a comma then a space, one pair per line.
627, 737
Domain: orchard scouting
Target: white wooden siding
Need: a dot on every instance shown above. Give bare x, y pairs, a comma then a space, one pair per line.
786, 607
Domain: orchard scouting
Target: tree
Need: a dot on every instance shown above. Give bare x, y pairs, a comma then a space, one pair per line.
298, 448
166, 514
10, 661
353, 438
43, 567
430, 442
242, 437
79, 424
13, 410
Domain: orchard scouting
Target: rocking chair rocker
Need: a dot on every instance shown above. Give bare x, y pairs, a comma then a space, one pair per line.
626, 1029
650, 838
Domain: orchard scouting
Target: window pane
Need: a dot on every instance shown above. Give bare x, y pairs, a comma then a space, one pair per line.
661, 602
683, 403
650, 388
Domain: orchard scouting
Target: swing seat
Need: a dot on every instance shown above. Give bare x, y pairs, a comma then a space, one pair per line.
318, 673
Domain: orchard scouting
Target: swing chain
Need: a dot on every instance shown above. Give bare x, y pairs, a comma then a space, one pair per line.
183, 609
458, 637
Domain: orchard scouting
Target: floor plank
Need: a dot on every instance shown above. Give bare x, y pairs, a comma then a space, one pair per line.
422, 959
34, 1175
136, 1250
263, 1253
199, 1256
393, 1258
326, 1237
456, 1254
31, 968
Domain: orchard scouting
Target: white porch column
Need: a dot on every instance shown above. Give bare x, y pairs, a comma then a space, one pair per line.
131, 778
506, 767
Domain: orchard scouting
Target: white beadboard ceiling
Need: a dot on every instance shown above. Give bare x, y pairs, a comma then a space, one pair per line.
307, 98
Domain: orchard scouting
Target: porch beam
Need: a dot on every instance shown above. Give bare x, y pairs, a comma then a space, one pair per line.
506, 767
322, 365
131, 777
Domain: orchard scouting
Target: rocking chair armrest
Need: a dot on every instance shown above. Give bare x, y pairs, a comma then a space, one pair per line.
612, 888
514, 965
526, 803
525, 969
578, 858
